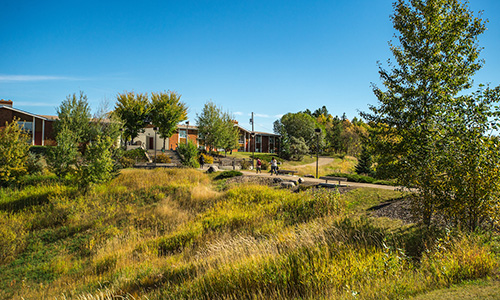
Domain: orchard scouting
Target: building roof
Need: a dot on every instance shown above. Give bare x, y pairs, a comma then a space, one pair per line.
46, 118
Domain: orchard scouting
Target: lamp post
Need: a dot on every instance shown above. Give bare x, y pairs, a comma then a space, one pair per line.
253, 139
155, 129
187, 132
318, 133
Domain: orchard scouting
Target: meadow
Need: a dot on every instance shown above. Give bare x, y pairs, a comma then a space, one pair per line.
181, 234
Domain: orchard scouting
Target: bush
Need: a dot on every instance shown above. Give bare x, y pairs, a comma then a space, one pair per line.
163, 159
126, 162
189, 154
208, 159
228, 174
13, 153
34, 164
360, 178
137, 154
245, 165
41, 150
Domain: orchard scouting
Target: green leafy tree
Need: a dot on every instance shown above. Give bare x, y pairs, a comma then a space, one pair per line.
97, 164
229, 133
14, 149
61, 158
298, 148
133, 110
166, 112
189, 154
217, 127
74, 114
298, 125
436, 57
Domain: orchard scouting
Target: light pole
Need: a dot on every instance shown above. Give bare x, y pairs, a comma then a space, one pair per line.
253, 139
155, 129
318, 133
187, 132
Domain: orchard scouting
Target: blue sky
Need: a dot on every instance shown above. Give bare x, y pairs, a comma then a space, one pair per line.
263, 56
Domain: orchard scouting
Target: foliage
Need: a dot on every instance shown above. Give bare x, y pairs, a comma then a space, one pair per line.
34, 164
166, 112
189, 154
364, 166
14, 149
137, 154
162, 158
297, 125
61, 159
423, 109
361, 178
97, 165
208, 159
74, 114
133, 110
298, 148
246, 164
228, 174
167, 234
217, 128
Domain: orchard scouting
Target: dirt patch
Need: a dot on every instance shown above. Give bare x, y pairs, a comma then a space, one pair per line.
395, 209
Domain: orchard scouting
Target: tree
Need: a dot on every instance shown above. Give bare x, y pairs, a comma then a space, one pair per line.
298, 125
298, 148
14, 148
365, 162
97, 164
133, 110
61, 158
217, 127
436, 57
166, 112
74, 114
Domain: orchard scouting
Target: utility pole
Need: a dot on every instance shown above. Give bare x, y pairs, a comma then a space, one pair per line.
253, 139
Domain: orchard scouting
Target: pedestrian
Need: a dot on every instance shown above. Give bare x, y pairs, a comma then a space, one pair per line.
274, 166
202, 160
259, 166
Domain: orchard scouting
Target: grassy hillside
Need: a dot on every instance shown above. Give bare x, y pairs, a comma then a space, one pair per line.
179, 234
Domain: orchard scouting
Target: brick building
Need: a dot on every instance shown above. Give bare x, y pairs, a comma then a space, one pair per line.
39, 128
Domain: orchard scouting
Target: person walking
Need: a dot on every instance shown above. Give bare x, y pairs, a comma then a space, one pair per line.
259, 166
202, 160
274, 166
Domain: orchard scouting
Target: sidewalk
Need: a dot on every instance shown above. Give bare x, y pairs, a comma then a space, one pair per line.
317, 181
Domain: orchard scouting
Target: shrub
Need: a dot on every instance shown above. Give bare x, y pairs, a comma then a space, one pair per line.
208, 159
189, 154
34, 164
13, 152
126, 162
245, 165
163, 159
228, 174
98, 165
137, 154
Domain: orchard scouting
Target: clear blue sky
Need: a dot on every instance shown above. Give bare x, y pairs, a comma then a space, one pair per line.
263, 56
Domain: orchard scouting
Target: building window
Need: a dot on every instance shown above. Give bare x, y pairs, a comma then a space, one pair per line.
182, 134
25, 125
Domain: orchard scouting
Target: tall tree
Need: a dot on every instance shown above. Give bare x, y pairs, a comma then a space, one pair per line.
167, 111
74, 114
217, 127
436, 57
133, 110
298, 125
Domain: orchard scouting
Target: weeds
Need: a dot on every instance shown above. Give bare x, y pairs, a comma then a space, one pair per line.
167, 234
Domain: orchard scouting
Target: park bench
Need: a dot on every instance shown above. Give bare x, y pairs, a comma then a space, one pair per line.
285, 172
333, 178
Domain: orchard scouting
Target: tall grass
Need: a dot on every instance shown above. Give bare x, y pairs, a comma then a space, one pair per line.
169, 234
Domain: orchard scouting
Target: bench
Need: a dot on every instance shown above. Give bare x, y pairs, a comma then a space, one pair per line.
285, 172
333, 178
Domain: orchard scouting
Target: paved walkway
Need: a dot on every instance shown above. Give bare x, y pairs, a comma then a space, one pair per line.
316, 181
